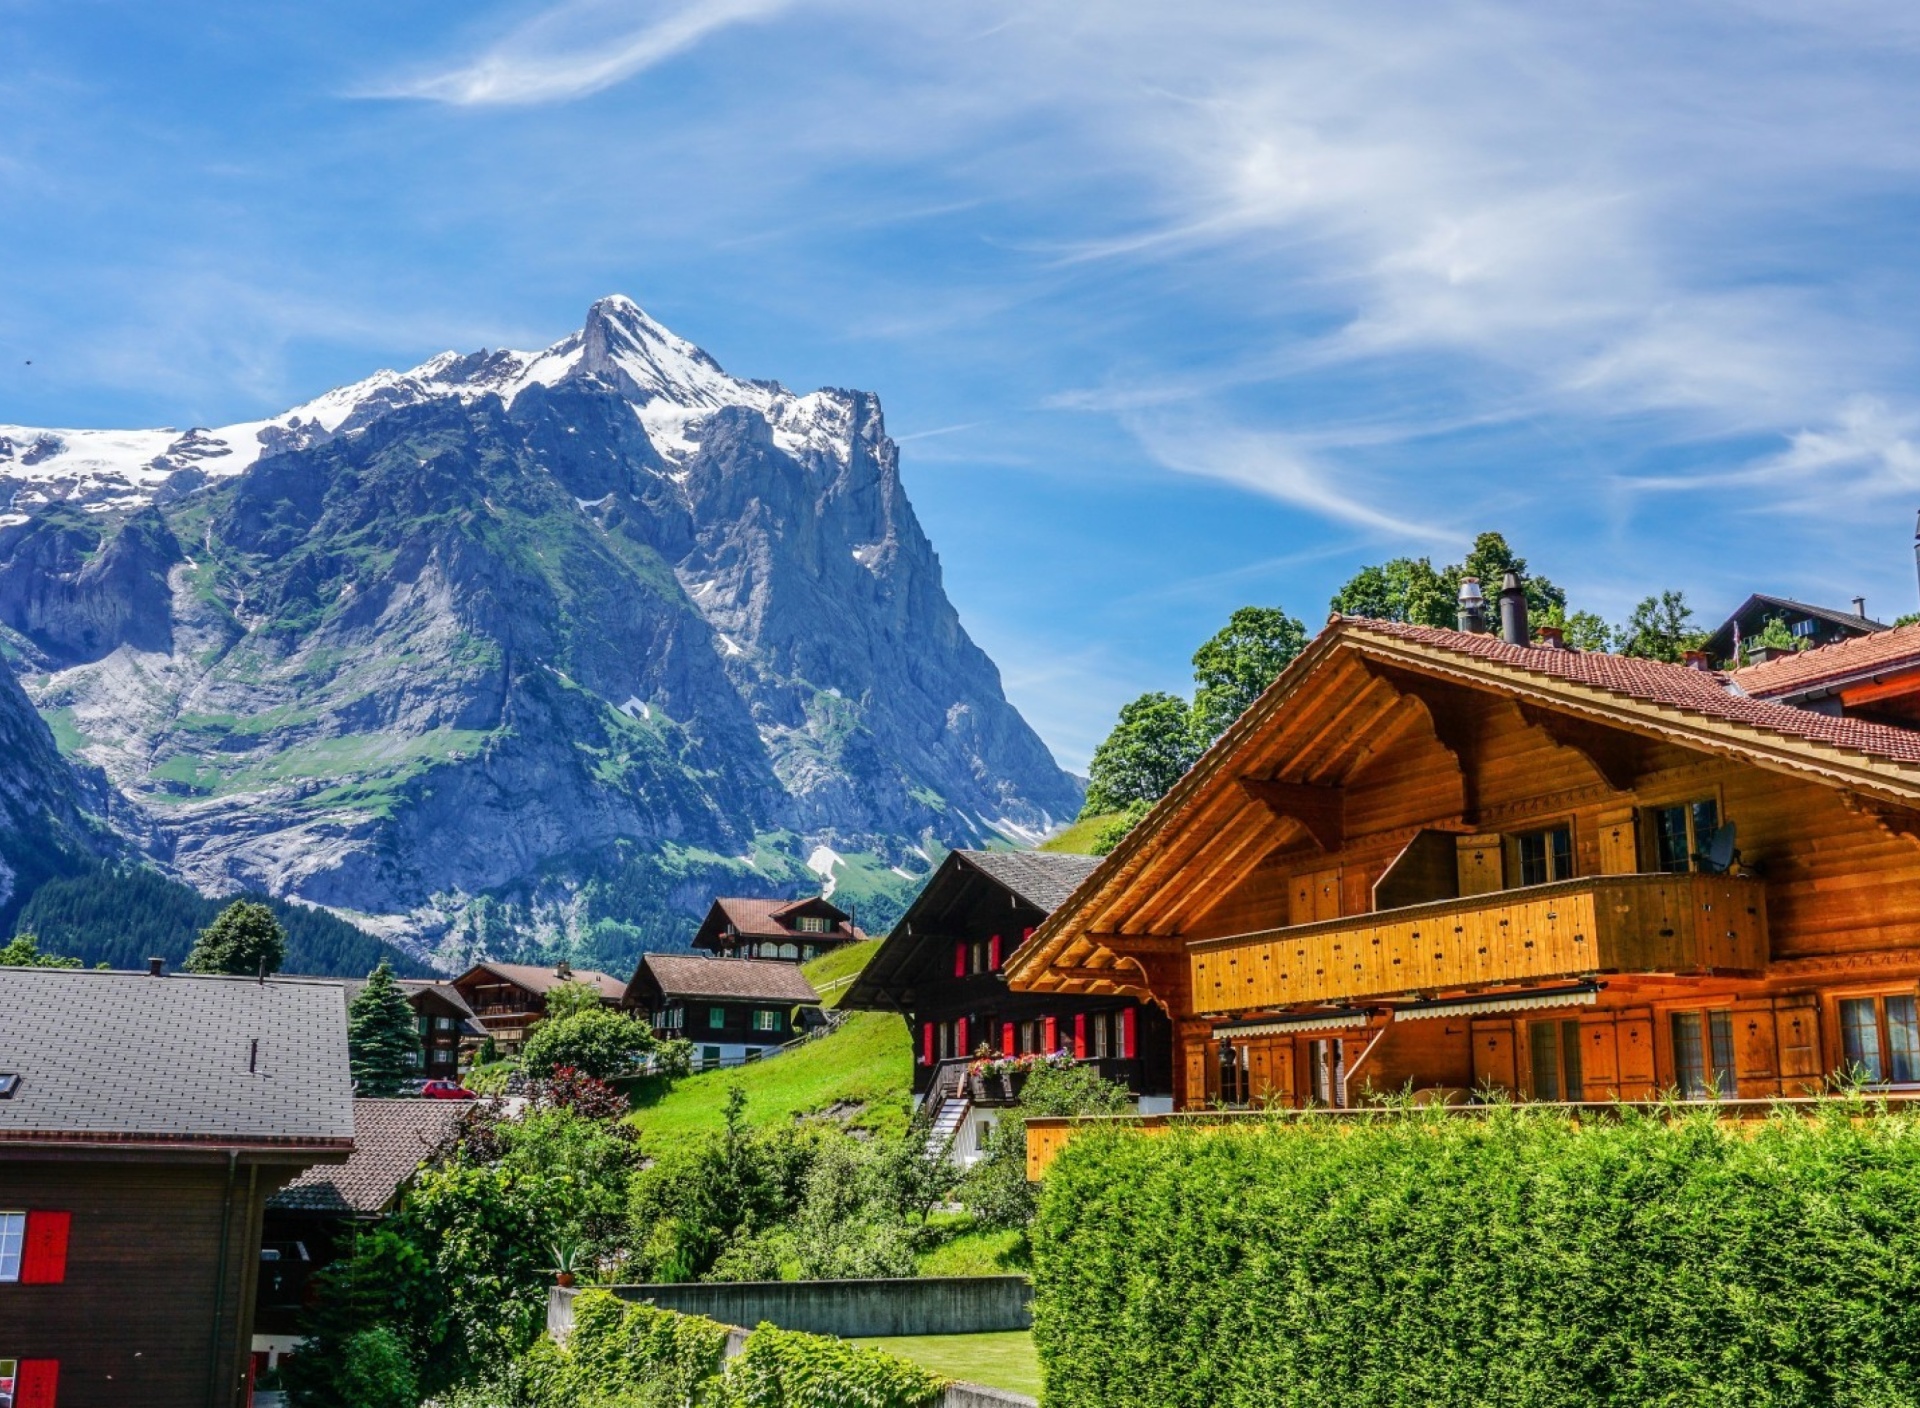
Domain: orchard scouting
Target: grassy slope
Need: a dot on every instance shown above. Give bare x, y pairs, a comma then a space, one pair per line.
1006, 1360
1078, 839
863, 1072
832, 972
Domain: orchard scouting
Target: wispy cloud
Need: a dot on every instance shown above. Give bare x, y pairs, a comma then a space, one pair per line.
568, 53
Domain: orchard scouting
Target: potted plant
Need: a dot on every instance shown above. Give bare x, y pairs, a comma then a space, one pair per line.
566, 1260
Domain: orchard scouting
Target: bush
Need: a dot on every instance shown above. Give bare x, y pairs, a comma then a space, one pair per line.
374, 1371
996, 1190
1515, 1258
786, 1369
597, 1042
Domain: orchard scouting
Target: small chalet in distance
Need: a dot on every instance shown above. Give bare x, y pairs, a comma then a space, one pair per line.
446, 1023
733, 1010
1809, 625
509, 999
941, 969
790, 930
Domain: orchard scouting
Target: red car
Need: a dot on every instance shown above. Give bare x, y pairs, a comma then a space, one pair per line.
446, 1090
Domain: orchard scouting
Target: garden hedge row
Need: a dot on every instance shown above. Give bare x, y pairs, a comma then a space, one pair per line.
624, 1354
1516, 1258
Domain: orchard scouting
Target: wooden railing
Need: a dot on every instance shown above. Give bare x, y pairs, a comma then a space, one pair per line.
1599, 924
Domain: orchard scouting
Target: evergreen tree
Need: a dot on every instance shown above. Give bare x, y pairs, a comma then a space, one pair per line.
383, 1037
1234, 667
245, 936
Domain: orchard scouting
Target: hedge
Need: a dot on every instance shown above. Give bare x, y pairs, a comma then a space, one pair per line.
1516, 1258
625, 1354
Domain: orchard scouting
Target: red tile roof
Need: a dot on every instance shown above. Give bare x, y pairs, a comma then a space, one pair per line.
1708, 693
769, 919
538, 979
1898, 648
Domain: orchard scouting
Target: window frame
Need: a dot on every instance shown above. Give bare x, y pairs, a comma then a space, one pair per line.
1711, 1014
716, 1019
1516, 842
1562, 1045
766, 1019
18, 1241
1879, 996
1686, 801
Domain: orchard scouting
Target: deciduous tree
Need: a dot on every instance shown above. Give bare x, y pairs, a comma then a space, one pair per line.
1237, 663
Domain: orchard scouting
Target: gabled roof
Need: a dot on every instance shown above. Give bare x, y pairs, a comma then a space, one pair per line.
681, 976
1043, 879
413, 987
126, 1058
536, 978
1720, 643
391, 1139
1893, 650
774, 919
1692, 708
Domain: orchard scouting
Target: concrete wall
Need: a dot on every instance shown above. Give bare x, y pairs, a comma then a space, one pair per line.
944, 1305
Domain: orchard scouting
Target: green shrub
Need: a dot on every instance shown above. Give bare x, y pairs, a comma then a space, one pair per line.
786, 1369
595, 1041
625, 1353
374, 1371
1515, 1259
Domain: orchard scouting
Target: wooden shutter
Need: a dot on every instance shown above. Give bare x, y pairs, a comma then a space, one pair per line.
993, 953
35, 1383
1126, 1033
1619, 842
1006, 1038
1080, 1036
1755, 1063
1493, 1064
926, 1043
1796, 1023
43, 1261
1599, 1061
1481, 864
959, 960
1196, 1091
1634, 1043
1050, 1042
962, 1041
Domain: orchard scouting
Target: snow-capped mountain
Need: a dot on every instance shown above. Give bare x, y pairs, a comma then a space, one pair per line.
554, 640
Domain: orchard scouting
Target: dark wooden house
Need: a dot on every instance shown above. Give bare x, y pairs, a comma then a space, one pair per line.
509, 999
311, 1221
144, 1122
733, 1010
942, 966
1809, 625
791, 931
446, 1023
1450, 863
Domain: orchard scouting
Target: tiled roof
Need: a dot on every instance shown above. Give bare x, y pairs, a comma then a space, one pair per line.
537, 978
1043, 879
682, 975
1704, 692
441, 987
180, 1059
1897, 648
763, 919
391, 1138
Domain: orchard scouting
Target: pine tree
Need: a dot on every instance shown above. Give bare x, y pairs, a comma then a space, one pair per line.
240, 940
382, 1036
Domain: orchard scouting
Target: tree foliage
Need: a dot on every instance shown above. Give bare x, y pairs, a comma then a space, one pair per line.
1661, 628
1412, 590
383, 1036
244, 938
995, 1190
23, 951
595, 1041
1148, 750
565, 999
1236, 664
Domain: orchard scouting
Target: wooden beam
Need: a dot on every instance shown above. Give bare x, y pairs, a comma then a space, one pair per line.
1124, 944
1619, 757
1322, 810
1897, 821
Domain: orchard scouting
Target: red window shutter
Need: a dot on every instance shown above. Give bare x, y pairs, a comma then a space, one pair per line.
1053, 1035
36, 1382
963, 1038
959, 960
1080, 1036
993, 953
1126, 1033
43, 1260
1006, 1038
926, 1043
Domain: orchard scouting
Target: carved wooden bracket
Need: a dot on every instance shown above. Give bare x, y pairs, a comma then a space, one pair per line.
1127, 976
1322, 810
1619, 758
1892, 818
1128, 944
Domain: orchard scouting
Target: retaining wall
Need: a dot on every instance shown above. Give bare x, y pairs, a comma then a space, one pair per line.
934, 1305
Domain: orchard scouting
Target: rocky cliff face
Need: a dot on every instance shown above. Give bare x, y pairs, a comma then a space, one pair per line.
518, 643
44, 829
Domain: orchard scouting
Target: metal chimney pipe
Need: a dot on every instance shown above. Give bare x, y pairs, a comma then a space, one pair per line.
1916, 544
1473, 603
1513, 611
1860, 607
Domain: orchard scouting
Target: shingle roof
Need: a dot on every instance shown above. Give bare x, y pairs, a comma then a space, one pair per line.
1895, 648
391, 1138
536, 978
125, 1057
1721, 641
1706, 692
682, 975
1043, 879
762, 919
442, 987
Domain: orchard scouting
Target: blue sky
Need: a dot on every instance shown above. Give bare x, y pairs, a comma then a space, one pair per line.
1172, 307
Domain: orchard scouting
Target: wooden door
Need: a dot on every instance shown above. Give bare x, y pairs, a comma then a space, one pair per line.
1756, 1071
1620, 842
1599, 1061
1482, 862
1633, 1038
1493, 1064
1796, 1025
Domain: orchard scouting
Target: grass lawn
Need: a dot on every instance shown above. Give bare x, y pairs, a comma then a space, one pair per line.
831, 973
976, 1253
1004, 1360
1078, 839
867, 1064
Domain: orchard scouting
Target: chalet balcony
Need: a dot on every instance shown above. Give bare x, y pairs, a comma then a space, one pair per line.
1569, 929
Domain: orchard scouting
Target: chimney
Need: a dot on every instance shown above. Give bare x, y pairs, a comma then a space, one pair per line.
1552, 638
1860, 606
563, 969
1916, 543
156, 967
1513, 611
1473, 604
1699, 660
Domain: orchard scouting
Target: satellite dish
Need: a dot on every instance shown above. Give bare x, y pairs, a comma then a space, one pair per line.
1720, 853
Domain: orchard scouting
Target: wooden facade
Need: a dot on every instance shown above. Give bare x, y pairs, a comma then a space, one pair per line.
1433, 861
509, 999
781, 931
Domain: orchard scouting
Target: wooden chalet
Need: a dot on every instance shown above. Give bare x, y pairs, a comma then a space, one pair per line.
791, 931
446, 1023
1448, 862
733, 1010
941, 968
509, 999
145, 1120
1809, 625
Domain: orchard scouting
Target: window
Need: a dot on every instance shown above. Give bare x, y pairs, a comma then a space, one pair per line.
443, 1024
716, 1017
426, 1025
982, 1135
1233, 1075
765, 1021
1546, 856
1326, 1065
414, 1058
1555, 1048
9, 1377
13, 1237
1099, 1035
1703, 1054
709, 1056
1805, 628
812, 924
1882, 1038
672, 1018
789, 951
1683, 831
